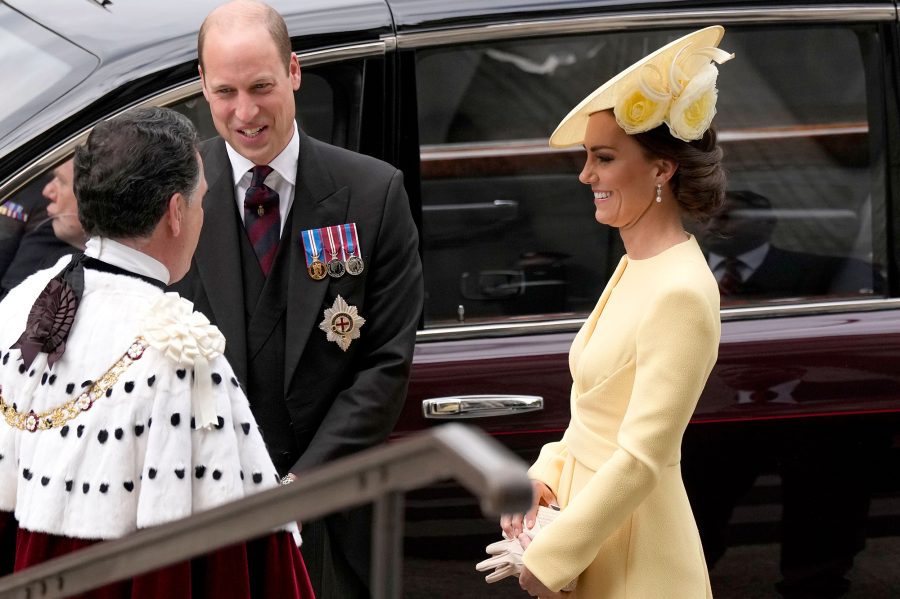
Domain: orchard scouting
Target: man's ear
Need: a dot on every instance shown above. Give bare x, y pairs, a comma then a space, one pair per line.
294, 71
175, 214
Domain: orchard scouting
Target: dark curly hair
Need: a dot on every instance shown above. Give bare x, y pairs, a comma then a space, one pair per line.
699, 182
129, 168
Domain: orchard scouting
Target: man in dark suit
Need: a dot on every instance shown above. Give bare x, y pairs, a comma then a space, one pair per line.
308, 262
748, 266
34, 234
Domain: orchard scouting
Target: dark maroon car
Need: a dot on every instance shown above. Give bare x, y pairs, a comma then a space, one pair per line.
794, 449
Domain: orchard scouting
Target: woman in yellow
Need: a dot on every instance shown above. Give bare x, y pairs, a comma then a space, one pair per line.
643, 356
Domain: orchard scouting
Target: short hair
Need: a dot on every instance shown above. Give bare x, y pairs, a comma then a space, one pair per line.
260, 12
699, 181
129, 168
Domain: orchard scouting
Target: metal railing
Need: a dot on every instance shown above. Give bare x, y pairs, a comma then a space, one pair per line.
381, 476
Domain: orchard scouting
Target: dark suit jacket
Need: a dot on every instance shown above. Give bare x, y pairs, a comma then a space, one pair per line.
785, 273
338, 402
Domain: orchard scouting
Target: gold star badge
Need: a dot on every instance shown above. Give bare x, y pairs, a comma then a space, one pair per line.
342, 323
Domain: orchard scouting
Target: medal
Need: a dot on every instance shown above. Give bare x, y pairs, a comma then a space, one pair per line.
315, 267
336, 266
355, 264
341, 323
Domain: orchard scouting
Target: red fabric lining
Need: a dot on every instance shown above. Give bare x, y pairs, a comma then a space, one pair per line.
270, 566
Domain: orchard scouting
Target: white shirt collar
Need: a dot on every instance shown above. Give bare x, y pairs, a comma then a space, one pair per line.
751, 260
285, 164
132, 260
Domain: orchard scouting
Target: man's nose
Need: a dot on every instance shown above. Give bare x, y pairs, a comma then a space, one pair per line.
246, 109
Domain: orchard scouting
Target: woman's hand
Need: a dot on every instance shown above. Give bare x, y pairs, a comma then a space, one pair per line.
512, 523
530, 583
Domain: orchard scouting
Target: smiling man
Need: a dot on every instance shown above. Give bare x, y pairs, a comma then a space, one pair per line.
308, 262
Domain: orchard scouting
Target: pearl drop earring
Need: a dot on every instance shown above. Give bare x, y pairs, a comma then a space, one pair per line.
658, 193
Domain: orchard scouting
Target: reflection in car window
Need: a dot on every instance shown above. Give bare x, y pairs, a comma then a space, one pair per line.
507, 227
36, 67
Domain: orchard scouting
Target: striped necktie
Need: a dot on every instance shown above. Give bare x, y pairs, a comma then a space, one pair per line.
261, 218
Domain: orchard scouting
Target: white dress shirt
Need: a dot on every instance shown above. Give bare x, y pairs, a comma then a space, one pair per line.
282, 179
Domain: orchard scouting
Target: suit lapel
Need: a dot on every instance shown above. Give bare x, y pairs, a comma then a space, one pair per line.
218, 257
317, 203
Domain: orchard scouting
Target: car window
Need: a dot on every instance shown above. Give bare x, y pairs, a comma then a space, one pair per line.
326, 109
36, 67
508, 229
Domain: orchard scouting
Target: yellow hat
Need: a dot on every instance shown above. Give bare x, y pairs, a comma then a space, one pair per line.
675, 85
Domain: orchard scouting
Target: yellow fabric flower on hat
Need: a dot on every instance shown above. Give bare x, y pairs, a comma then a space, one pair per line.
644, 106
693, 111
687, 103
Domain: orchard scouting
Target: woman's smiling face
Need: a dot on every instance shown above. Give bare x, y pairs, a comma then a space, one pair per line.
621, 176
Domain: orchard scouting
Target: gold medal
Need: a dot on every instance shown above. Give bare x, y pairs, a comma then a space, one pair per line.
317, 269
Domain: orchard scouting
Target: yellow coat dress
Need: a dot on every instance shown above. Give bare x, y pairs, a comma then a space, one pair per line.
638, 366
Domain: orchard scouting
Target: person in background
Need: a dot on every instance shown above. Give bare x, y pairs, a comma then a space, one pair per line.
643, 356
308, 262
747, 265
119, 410
55, 231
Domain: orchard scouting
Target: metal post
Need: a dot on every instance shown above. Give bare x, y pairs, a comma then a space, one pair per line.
387, 547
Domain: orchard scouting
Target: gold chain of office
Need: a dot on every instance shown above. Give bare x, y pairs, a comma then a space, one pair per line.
60, 415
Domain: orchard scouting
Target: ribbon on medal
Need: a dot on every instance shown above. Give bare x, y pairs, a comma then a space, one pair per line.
355, 264
336, 266
312, 246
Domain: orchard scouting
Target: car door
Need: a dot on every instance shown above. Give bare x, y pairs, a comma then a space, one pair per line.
804, 397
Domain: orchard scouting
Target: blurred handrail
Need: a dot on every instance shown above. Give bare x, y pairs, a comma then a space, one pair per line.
381, 475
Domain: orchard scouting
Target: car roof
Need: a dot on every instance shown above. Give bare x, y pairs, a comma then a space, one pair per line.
149, 45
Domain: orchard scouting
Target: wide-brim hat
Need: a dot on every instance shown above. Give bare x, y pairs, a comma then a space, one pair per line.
571, 130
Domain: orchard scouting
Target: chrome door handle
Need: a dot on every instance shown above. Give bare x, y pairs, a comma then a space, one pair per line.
480, 406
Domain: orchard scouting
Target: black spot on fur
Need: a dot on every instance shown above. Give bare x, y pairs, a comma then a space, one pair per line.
68, 486
129, 486
80, 430
245, 426
44, 378
64, 431
179, 472
52, 379
181, 372
151, 380
22, 369
129, 386
216, 475
138, 430
216, 378
86, 384
151, 473
176, 419
220, 422
102, 436
104, 487
109, 392
199, 471
45, 481
257, 477
119, 434
27, 474
70, 388
85, 488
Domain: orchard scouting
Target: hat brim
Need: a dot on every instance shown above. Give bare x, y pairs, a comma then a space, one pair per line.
572, 129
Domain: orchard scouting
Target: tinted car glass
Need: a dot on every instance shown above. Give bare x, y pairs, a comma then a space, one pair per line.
506, 224
38, 67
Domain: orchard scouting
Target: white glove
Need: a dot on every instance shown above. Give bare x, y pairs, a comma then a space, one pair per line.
506, 555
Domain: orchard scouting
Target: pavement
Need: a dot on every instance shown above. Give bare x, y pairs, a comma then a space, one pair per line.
744, 572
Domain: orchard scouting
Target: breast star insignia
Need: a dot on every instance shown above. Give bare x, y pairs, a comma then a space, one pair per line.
342, 323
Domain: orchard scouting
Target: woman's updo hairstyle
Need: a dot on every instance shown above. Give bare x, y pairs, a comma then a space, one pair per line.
699, 181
